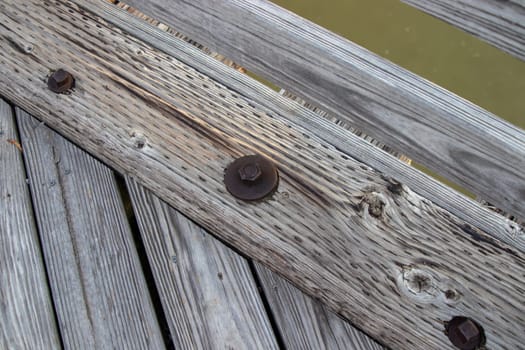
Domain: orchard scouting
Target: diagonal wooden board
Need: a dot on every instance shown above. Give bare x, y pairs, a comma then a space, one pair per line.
317, 230
348, 143
207, 290
447, 134
305, 323
27, 320
98, 286
212, 288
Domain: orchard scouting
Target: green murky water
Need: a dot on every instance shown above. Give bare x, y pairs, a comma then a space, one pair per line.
427, 46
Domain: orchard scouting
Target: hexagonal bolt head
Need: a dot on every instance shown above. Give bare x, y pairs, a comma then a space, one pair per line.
250, 172
464, 333
60, 81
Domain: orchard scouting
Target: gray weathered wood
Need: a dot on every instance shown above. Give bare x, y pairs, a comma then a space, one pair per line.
347, 142
436, 128
210, 297
26, 310
207, 290
305, 323
336, 228
501, 23
98, 286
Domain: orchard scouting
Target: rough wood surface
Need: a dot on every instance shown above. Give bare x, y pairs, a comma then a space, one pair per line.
27, 320
305, 323
501, 23
371, 249
99, 290
295, 114
436, 128
207, 291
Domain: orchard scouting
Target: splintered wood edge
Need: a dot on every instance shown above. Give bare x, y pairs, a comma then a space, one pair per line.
339, 230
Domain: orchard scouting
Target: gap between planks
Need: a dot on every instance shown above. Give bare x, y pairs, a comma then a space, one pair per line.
340, 267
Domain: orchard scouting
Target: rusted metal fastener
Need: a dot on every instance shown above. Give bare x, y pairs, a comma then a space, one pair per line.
251, 178
60, 81
464, 333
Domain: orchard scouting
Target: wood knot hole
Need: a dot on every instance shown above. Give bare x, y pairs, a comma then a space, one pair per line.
28, 49
139, 140
418, 284
376, 205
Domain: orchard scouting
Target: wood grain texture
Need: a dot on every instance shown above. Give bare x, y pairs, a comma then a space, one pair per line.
241, 69
500, 23
436, 128
305, 323
339, 230
98, 286
27, 320
345, 125
207, 291
295, 114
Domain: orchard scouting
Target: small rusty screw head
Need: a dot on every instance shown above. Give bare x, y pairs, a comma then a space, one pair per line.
60, 81
251, 178
464, 333
250, 172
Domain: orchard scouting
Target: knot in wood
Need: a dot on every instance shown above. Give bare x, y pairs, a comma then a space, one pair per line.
375, 207
376, 204
29, 48
418, 284
139, 140
394, 186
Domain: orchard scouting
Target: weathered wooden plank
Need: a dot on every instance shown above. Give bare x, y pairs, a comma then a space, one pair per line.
223, 309
27, 320
98, 286
355, 147
305, 323
500, 23
283, 92
339, 230
207, 290
436, 128
345, 125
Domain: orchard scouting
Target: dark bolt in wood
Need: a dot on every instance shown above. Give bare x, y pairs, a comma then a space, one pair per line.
464, 333
60, 81
250, 172
251, 178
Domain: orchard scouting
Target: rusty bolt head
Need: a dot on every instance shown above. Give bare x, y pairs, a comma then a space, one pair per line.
60, 81
251, 178
464, 333
250, 172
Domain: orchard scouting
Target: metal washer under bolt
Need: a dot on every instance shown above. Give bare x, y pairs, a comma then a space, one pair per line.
251, 178
464, 333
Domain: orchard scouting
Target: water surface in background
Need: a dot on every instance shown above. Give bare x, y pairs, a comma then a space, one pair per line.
427, 46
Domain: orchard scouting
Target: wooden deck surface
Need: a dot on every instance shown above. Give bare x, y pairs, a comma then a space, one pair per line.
91, 260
